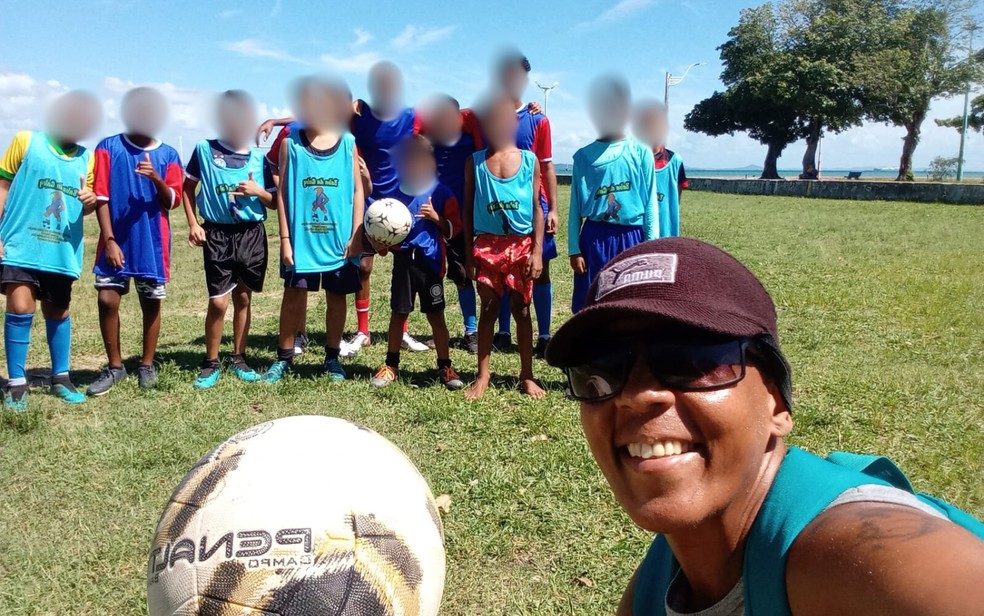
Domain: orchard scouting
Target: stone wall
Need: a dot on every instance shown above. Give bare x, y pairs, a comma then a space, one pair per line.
968, 193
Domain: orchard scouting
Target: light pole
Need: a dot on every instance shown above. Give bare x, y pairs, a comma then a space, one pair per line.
673, 80
971, 28
546, 93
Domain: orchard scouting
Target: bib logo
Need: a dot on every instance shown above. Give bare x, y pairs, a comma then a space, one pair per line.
53, 213
641, 270
613, 188
309, 182
660, 196
251, 546
502, 206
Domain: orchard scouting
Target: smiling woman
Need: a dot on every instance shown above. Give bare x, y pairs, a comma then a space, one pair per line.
686, 406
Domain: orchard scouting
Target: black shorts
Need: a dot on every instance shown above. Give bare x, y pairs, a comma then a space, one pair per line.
456, 260
345, 280
233, 254
56, 289
413, 278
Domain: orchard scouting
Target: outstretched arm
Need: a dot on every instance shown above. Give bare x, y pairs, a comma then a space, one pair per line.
884, 559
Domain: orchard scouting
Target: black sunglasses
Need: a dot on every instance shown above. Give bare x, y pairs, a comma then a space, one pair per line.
681, 367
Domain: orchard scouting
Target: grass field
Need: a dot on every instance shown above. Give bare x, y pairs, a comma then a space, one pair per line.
881, 313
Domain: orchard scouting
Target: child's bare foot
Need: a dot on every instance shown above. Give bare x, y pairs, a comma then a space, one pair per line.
532, 389
477, 389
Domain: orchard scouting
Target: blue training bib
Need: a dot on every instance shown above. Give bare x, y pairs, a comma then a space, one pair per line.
319, 196
41, 226
503, 206
213, 197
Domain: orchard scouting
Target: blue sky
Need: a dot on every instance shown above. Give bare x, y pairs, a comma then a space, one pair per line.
189, 49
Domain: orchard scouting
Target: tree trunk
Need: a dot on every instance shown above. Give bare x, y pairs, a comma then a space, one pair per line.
810, 169
913, 129
771, 166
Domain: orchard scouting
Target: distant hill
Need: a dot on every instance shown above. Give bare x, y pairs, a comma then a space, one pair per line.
745, 168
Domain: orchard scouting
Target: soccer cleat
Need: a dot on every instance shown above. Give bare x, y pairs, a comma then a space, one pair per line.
540, 350
15, 404
386, 376
209, 374
430, 344
501, 341
247, 374
413, 345
67, 393
471, 342
106, 380
450, 379
352, 346
333, 370
147, 377
300, 344
276, 372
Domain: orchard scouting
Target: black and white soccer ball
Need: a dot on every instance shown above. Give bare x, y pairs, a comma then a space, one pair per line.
388, 222
300, 516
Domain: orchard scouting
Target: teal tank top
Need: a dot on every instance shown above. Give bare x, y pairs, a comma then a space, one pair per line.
215, 183
319, 202
41, 226
668, 194
803, 488
504, 206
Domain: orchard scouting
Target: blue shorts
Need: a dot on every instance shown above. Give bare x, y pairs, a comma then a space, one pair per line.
549, 247
600, 243
345, 280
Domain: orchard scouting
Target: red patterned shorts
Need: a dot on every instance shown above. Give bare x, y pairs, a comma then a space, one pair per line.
501, 262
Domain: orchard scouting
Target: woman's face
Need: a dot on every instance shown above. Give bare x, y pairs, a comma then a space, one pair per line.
723, 437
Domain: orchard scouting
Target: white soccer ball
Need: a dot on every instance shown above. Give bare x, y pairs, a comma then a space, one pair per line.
388, 221
300, 516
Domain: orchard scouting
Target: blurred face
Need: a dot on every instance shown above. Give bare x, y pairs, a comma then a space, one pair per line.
651, 126
723, 434
315, 106
514, 80
144, 111
417, 171
443, 122
500, 124
236, 121
343, 107
385, 87
609, 107
73, 117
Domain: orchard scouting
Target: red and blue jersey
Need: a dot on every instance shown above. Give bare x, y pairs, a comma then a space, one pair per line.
376, 140
141, 227
533, 135
452, 159
424, 236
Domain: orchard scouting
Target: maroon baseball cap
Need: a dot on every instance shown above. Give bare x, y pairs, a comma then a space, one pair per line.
685, 286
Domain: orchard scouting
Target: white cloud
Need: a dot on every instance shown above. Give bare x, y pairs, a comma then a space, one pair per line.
358, 63
361, 37
22, 102
230, 13
619, 11
255, 48
416, 37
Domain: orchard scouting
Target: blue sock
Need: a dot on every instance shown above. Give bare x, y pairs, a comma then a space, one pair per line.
59, 343
469, 308
543, 305
580, 295
16, 341
505, 314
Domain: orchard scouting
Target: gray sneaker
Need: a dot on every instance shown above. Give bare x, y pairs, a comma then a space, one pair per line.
147, 377
106, 380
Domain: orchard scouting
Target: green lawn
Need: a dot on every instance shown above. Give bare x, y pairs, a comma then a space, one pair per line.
881, 310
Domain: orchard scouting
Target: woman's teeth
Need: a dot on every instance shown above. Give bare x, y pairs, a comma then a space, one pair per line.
661, 449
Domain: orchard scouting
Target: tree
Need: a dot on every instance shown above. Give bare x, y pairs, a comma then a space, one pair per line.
787, 72
752, 101
941, 169
975, 120
917, 63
